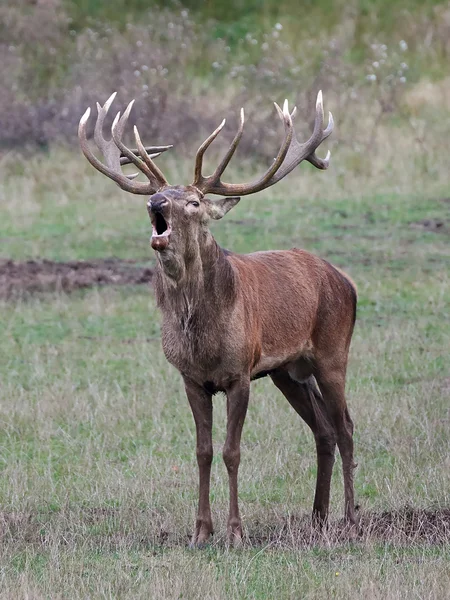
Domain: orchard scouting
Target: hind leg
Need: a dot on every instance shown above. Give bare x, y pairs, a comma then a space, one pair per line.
332, 385
308, 403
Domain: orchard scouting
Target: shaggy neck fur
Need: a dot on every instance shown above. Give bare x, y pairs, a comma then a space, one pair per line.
195, 282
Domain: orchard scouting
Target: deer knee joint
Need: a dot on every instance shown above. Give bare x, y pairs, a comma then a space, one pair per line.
204, 455
231, 458
348, 422
326, 444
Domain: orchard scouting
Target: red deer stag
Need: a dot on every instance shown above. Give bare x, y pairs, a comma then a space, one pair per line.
231, 318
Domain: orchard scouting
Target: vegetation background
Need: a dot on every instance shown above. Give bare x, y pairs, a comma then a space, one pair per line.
98, 487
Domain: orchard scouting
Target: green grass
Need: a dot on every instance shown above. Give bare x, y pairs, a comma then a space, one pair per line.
97, 443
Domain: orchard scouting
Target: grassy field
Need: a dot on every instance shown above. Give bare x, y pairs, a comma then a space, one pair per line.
97, 444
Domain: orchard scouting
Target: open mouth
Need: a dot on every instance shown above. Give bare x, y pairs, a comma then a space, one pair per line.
160, 224
161, 227
161, 231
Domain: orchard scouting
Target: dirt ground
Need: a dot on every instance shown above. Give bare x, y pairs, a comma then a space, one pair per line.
403, 527
21, 278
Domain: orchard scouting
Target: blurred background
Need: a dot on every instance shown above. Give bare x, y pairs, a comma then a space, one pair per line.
382, 64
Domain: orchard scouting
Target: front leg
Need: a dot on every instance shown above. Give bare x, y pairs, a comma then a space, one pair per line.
237, 402
201, 405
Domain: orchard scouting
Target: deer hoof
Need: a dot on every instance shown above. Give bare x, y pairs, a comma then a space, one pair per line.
234, 534
201, 537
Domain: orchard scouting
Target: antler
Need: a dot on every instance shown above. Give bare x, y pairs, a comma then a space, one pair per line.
116, 153
290, 154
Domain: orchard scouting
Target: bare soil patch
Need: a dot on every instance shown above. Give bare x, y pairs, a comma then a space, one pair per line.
405, 526
19, 278
146, 528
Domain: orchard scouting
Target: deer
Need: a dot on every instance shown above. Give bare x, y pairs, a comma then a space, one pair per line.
228, 318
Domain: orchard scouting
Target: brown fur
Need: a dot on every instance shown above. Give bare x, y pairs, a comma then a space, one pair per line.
230, 318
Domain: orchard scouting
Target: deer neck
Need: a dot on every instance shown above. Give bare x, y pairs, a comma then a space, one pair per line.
197, 280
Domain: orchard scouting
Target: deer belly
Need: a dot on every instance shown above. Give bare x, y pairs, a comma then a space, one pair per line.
286, 356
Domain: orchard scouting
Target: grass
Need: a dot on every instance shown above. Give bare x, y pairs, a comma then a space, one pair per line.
98, 488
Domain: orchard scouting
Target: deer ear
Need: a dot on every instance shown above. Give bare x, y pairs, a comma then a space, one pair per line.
219, 208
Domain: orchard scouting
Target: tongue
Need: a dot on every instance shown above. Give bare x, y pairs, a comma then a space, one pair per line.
159, 243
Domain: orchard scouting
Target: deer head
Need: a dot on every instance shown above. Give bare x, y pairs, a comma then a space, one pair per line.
181, 213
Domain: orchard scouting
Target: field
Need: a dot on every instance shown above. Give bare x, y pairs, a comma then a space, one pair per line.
99, 479
98, 487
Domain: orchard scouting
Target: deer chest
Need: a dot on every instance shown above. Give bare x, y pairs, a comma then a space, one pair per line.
201, 353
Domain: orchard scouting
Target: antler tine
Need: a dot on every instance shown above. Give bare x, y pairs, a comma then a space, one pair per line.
215, 177
289, 131
153, 151
319, 163
316, 136
198, 177
323, 163
102, 111
147, 159
291, 154
107, 147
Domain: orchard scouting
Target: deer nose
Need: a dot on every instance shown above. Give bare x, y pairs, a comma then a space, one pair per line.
157, 204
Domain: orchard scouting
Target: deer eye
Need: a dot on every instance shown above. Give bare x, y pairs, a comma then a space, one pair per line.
194, 203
